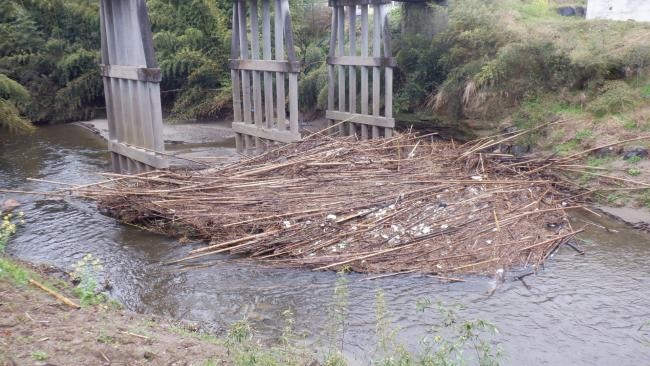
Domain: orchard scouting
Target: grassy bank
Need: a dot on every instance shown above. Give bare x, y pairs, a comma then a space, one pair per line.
511, 65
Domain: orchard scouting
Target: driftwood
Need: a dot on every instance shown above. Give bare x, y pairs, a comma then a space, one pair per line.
402, 204
57, 295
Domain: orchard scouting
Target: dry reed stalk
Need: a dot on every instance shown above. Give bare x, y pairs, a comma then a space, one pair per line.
403, 204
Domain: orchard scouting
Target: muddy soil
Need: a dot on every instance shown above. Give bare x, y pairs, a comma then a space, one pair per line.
36, 329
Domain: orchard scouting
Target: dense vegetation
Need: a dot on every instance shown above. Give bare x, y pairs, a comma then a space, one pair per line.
49, 52
515, 60
51, 49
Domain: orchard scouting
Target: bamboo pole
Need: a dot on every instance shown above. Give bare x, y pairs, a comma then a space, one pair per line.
58, 296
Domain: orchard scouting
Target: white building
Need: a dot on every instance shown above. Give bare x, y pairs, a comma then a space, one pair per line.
638, 10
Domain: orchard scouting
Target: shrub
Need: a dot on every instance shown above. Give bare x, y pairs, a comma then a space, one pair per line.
310, 89
615, 96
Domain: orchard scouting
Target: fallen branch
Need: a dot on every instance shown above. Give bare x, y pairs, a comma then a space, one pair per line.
58, 296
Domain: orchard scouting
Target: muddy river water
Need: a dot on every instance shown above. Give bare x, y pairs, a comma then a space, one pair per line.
580, 310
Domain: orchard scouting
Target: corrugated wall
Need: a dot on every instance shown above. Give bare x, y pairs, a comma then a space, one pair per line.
638, 10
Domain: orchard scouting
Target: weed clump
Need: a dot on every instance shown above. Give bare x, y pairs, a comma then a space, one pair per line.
8, 228
85, 274
451, 341
614, 96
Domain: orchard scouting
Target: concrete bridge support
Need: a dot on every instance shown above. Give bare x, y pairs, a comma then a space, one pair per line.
131, 87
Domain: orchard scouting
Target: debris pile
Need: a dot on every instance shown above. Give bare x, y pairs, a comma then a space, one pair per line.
402, 204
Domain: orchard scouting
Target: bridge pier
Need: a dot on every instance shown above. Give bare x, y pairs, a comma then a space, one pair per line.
131, 87
372, 59
260, 76
260, 109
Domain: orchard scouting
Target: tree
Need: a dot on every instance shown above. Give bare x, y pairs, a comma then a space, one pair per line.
51, 47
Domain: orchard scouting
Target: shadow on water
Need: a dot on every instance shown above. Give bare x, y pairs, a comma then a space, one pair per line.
581, 310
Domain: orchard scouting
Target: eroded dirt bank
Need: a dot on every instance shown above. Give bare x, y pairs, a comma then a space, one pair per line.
37, 329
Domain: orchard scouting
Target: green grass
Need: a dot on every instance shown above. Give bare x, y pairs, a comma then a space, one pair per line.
210, 363
627, 122
583, 135
615, 198
566, 109
645, 91
585, 178
105, 338
86, 272
634, 172
7, 228
533, 10
614, 96
8, 268
594, 161
39, 355
200, 336
452, 341
634, 159
566, 148
245, 351
14, 272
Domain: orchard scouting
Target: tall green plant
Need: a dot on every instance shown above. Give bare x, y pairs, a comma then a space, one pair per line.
52, 49
337, 313
192, 41
13, 97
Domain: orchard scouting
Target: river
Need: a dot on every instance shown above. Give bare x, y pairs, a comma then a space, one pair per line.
580, 310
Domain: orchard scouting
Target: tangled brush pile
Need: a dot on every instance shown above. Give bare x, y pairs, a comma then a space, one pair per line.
402, 204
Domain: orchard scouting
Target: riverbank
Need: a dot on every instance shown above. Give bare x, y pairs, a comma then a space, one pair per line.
36, 328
